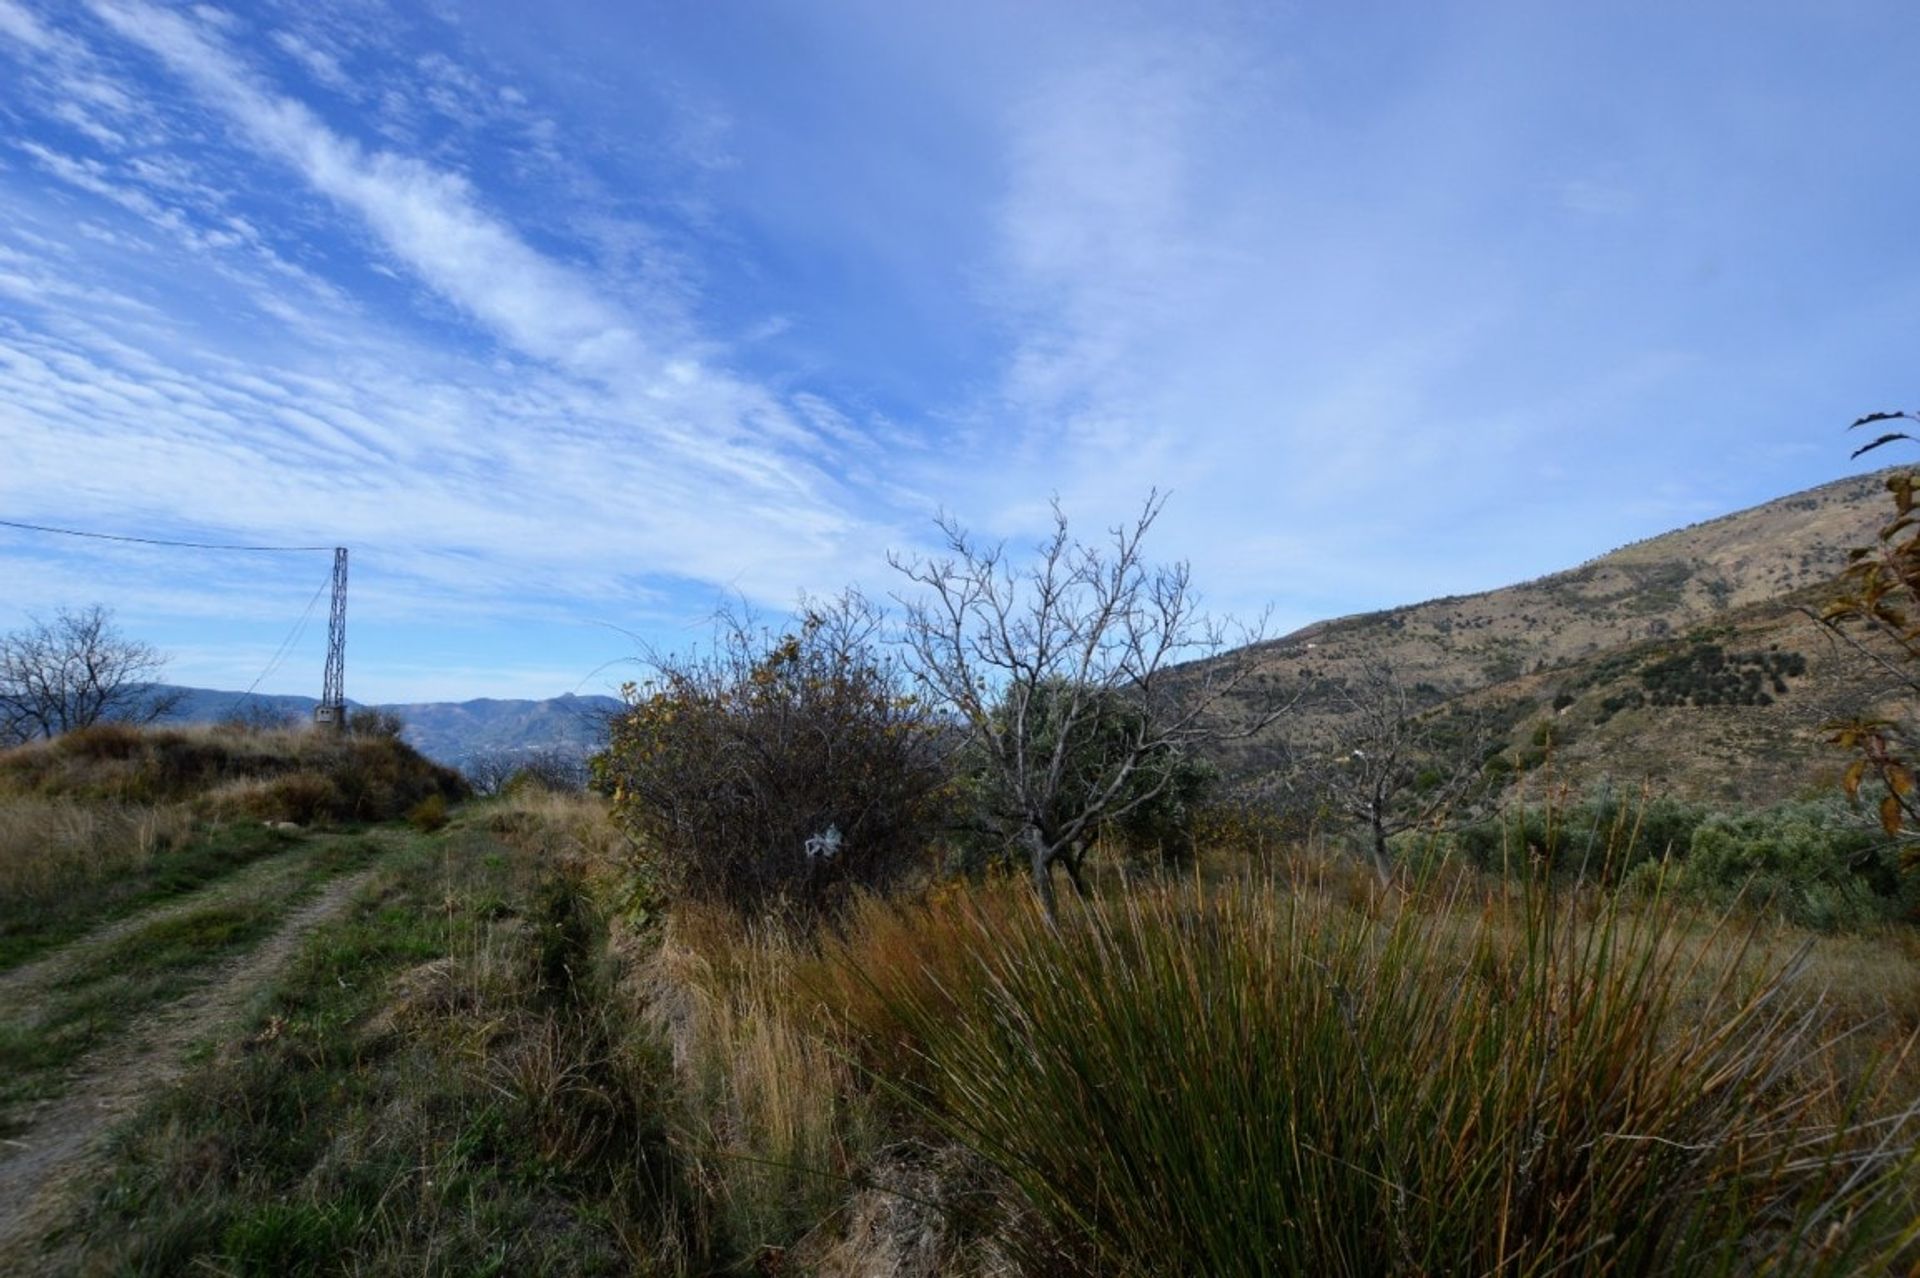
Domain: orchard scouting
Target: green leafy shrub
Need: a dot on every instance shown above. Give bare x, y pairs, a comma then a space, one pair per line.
1603, 835
429, 814
1814, 864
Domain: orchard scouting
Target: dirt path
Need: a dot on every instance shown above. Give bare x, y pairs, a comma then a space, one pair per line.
42, 972
60, 1153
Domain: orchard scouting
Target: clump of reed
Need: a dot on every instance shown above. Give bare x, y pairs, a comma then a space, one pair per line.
1254, 1080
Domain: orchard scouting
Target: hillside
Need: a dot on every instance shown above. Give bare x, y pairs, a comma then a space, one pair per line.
1685, 661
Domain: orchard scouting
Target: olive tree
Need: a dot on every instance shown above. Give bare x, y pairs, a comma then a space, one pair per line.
1029, 659
76, 671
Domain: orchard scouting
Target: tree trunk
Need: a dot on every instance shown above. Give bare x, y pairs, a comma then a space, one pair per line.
1042, 870
1382, 864
1072, 859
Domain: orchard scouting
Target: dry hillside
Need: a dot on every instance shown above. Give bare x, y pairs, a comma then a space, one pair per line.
1685, 660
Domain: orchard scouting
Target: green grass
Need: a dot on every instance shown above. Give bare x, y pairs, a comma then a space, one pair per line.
438, 1085
105, 993
30, 927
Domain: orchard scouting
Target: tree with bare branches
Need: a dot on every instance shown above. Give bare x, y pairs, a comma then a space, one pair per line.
1028, 661
75, 671
1388, 758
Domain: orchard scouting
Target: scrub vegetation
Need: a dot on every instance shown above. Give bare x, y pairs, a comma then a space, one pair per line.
793, 986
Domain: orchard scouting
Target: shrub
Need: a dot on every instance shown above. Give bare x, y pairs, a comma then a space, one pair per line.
1603, 835
429, 814
780, 769
1814, 864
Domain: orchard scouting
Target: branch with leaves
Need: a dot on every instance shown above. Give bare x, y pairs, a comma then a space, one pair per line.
1879, 597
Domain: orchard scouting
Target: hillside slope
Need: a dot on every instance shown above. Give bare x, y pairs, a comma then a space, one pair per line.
1686, 662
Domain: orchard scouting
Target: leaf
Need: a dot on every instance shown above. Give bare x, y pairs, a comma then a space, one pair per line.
1851, 782
1884, 439
1899, 780
1890, 815
1871, 418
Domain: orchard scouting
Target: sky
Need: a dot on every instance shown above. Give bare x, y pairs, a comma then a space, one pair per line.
577, 321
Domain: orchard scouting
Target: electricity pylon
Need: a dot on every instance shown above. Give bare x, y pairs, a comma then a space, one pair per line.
332, 710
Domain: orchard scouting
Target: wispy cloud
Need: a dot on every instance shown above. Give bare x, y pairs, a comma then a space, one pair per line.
1394, 309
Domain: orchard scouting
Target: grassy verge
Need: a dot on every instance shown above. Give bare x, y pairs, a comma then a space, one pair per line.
477, 1072
111, 988
32, 923
439, 1085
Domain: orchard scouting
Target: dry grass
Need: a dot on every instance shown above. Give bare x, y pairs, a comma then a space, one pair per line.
1291, 1068
298, 775
768, 1109
51, 847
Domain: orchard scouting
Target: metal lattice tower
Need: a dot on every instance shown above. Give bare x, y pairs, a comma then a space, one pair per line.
332, 710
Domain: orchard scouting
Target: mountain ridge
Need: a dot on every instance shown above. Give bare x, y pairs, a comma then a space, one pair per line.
455, 733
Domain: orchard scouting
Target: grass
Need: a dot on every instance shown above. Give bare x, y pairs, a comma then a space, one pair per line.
300, 775
112, 987
1266, 1082
123, 881
51, 848
439, 1085
505, 1059
111, 819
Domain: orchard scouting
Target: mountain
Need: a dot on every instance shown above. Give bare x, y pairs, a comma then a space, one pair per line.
455, 733
1687, 662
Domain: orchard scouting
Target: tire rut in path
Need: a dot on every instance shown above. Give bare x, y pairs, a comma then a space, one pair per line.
39, 973
62, 1151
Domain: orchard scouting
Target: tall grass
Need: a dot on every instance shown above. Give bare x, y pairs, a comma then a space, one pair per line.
50, 847
295, 775
768, 1113
1251, 1081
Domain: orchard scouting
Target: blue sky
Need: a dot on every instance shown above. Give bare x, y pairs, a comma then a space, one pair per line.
576, 320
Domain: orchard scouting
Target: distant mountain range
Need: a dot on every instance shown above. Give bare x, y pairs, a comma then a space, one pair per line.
455, 733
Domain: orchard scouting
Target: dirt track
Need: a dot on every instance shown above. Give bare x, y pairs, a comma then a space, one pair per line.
61, 1152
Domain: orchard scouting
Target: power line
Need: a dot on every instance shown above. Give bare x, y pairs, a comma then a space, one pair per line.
154, 541
286, 645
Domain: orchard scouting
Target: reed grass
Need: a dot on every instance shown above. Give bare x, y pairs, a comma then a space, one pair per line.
1254, 1081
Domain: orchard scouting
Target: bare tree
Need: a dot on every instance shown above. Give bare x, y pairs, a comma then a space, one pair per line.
1028, 660
76, 671
1389, 758
552, 767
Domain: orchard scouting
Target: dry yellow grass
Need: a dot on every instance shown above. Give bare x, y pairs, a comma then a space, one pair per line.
770, 1111
52, 846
